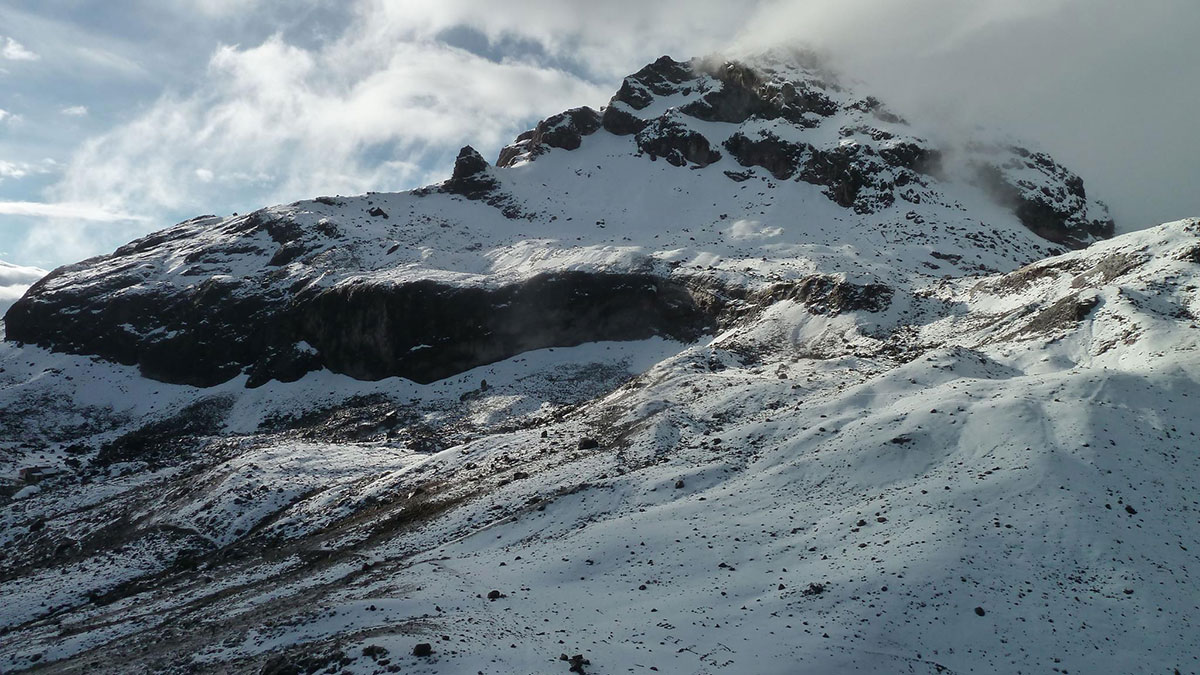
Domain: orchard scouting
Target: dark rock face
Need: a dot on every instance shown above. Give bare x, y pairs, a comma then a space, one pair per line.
472, 176
426, 331
167, 332
914, 157
564, 130
1054, 209
844, 171
829, 295
744, 94
668, 138
768, 151
618, 121
656, 79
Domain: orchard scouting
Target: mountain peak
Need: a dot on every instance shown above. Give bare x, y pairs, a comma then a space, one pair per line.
786, 112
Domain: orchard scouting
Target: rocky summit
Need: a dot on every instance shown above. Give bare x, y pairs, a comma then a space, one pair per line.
739, 373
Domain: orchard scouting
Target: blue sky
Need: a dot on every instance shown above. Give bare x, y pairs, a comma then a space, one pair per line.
119, 118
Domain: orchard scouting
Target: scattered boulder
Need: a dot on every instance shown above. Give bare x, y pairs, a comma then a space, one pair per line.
374, 652
423, 649
587, 443
577, 662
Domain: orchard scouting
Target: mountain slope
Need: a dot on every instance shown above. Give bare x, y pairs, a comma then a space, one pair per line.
855, 455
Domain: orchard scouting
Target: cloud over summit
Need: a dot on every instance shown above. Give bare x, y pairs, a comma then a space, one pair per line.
382, 98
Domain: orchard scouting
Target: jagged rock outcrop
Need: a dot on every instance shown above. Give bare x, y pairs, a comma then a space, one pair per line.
1048, 198
472, 177
672, 140
564, 130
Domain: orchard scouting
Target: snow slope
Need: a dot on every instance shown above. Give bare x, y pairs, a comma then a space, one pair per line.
989, 467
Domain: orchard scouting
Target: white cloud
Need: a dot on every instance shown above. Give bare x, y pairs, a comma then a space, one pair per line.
75, 111
15, 51
12, 170
14, 281
386, 104
357, 115
76, 211
219, 8
18, 170
110, 61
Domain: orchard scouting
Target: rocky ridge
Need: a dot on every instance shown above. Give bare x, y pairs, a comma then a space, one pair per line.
335, 282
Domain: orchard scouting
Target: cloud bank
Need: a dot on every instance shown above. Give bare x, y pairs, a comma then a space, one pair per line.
385, 102
14, 281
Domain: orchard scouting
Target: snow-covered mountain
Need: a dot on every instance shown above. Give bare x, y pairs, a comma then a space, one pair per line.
738, 374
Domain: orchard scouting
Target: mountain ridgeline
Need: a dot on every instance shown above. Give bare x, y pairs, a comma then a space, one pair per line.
283, 291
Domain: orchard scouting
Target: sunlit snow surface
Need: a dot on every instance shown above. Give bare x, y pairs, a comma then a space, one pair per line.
800, 493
